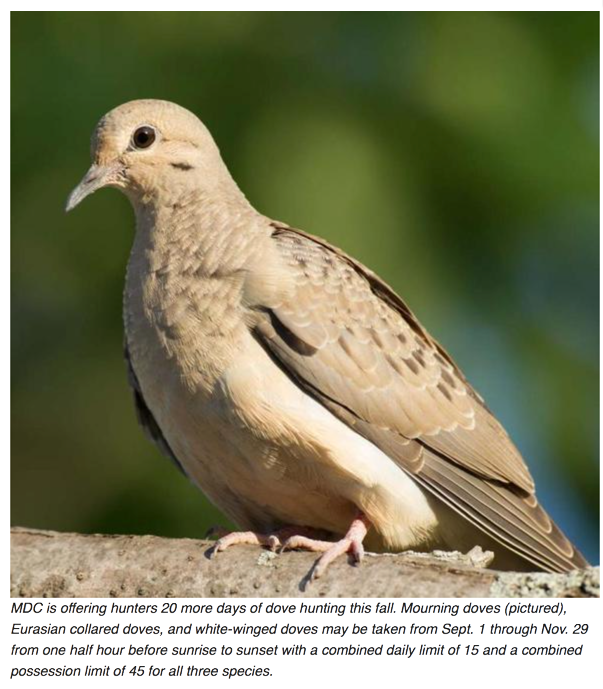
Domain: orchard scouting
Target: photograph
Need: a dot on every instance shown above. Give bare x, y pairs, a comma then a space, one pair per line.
304, 304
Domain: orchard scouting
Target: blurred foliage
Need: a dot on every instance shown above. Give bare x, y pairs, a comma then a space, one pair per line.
457, 154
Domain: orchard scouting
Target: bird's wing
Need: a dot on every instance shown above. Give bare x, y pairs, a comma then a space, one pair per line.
351, 342
145, 416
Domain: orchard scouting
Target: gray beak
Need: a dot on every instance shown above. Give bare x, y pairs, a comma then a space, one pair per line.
98, 176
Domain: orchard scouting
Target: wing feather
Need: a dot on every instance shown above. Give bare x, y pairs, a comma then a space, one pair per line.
353, 344
145, 416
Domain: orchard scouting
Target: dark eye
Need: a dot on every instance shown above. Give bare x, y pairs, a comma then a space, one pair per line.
143, 137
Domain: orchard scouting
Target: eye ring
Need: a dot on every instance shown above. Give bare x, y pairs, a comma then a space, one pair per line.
144, 137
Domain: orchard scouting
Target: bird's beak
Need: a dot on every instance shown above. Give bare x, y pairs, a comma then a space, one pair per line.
98, 176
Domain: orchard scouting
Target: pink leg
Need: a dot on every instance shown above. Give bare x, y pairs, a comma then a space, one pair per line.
350, 543
245, 538
271, 540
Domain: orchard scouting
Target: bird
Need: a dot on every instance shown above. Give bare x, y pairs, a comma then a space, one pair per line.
289, 382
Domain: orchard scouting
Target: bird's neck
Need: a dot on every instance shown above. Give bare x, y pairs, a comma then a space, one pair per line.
209, 233
191, 251
185, 278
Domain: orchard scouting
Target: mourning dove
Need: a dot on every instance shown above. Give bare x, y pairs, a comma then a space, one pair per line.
289, 382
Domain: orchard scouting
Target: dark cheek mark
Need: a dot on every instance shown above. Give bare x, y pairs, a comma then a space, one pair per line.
182, 166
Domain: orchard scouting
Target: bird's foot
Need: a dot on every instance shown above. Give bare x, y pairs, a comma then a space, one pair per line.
274, 540
351, 543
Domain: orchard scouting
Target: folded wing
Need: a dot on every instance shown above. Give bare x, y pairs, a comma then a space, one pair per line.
352, 343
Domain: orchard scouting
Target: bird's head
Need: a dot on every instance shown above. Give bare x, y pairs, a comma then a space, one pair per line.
149, 148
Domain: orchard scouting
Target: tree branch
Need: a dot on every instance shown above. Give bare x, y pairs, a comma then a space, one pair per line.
47, 563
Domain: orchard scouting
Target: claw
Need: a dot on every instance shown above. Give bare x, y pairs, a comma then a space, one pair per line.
350, 543
294, 537
240, 538
276, 540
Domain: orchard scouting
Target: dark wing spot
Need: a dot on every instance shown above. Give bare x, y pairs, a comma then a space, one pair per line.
419, 357
394, 363
445, 391
376, 338
447, 378
412, 365
291, 339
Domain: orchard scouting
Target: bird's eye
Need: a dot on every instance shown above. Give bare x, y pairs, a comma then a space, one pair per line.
143, 137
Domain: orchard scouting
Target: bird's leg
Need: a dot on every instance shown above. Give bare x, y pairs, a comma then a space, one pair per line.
350, 543
272, 540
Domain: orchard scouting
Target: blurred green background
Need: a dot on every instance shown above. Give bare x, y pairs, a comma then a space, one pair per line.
457, 154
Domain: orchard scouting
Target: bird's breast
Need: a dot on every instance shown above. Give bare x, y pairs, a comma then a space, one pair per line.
188, 325
260, 447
